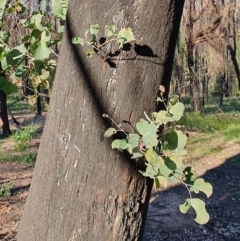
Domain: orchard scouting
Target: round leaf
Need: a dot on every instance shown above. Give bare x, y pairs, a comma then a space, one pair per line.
148, 131
119, 144
203, 186
109, 132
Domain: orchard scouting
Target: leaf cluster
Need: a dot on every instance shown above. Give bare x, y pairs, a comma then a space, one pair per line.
161, 143
33, 57
124, 36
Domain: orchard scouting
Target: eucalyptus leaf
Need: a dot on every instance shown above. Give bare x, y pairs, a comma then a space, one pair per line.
4, 36
2, 7
40, 50
203, 186
150, 171
78, 40
119, 144
109, 132
136, 155
109, 30
94, 28
198, 205
177, 110
162, 181
125, 35
153, 158
148, 130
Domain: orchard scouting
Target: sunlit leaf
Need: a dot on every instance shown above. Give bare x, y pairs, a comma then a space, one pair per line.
150, 171
78, 40
160, 181
2, 7
40, 50
119, 144
177, 110
136, 155
109, 132
125, 35
45, 36
109, 30
94, 28
153, 158
148, 131
203, 186
4, 36
198, 205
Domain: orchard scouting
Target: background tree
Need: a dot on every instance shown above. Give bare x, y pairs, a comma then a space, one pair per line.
81, 189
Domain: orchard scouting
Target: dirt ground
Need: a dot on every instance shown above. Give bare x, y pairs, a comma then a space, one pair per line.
164, 221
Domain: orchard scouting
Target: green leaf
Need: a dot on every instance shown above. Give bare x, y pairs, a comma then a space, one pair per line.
2, 7
119, 144
9, 88
133, 141
61, 29
151, 171
176, 175
94, 28
3, 81
2, 24
6, 86
36, 21
4, 63
125, 35
165, 171
175, 141
148, 131
109, 132
4, 36
198, 205
185, 207
36, 34
25, 38
136, 155
160, 181
78, 40
86, 33
109, 30
153, 158
45, 36
18, 51
40, 50
170, 164
177, 110
60, 8
203, 186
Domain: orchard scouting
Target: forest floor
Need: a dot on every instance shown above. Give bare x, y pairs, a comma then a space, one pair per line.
220, 167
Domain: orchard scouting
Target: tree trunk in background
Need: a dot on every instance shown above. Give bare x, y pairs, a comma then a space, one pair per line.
194, 83
4, 114
81, 188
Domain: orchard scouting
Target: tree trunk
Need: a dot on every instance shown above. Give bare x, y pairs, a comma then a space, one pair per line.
81, 188
4, 114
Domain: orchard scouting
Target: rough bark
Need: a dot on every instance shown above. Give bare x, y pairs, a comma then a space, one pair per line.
81, 189
4, 114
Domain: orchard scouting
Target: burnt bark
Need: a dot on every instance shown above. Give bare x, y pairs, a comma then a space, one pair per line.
4, 114
81, 188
